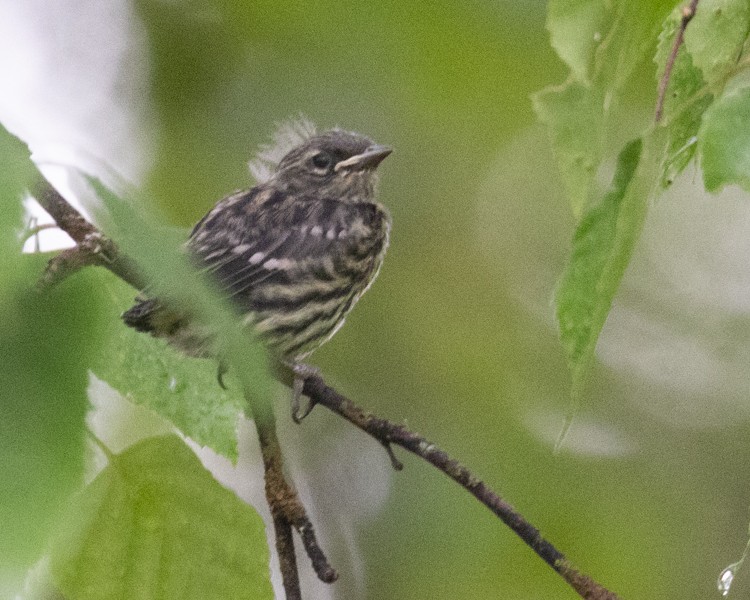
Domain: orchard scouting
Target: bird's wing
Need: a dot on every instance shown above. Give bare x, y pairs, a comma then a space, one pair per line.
257, 243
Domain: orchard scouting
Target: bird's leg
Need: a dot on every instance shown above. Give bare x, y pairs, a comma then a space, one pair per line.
301, 373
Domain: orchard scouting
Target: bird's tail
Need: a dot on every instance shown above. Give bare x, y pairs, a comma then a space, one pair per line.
140, 315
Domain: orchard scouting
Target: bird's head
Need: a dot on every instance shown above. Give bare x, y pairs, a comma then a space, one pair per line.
337, 164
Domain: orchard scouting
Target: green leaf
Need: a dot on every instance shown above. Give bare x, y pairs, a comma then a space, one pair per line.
602, 246
14, 177
683, 139
578, 113
724, 142
713, 41
685, 101
151, 373
45, 344
38, 584
46, 340
575, 28
715, 36
574, 116
630, 39
156, 249
155, 524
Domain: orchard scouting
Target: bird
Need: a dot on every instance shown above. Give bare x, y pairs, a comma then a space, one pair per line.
293, 254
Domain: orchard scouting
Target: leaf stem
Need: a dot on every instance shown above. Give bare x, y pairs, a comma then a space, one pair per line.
688, 12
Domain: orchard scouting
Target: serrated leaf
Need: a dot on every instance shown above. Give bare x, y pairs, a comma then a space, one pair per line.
184, 390
155, 524
602, 246
715, 36
685, 101
578, 112
576, 28
635, 26
724, 142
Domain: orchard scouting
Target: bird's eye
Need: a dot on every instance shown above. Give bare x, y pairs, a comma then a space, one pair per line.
322, 161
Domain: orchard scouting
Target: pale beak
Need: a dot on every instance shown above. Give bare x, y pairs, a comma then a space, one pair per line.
369, 159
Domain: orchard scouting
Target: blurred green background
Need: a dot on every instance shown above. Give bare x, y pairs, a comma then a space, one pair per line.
456, 338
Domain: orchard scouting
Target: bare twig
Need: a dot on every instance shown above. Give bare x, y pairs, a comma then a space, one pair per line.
688, 12
64, 264
278, 495
287, 559
388, 433
93, 247
286, 507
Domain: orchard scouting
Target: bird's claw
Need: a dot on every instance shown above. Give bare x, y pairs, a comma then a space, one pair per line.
301, 373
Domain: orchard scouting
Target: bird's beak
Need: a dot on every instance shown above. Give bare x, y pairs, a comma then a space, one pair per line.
369, 159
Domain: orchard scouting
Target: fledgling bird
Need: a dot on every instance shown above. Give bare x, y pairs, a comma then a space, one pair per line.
294, 253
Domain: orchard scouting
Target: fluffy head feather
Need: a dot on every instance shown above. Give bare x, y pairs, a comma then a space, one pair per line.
288, 135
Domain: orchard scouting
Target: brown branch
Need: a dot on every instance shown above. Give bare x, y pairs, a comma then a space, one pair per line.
282, 531
688, 12
388, 433
286, 508
93, 247
63, 265
277, 496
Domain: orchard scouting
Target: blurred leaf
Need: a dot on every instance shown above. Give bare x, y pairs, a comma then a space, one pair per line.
14, 177
45, 342
683, 104
577, 113
715, 36
585, 292
155, 524
724, 142
156, 250
602, 246
573, 115
632, 37
39, 584
575, 28
151, 373
713, 42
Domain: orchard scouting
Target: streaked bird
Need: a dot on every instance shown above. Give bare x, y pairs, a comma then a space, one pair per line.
294, 253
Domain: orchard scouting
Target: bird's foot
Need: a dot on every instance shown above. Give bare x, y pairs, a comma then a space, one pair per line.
301, 373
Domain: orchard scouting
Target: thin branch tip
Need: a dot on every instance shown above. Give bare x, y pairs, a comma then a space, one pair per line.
395, 462
387, 434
